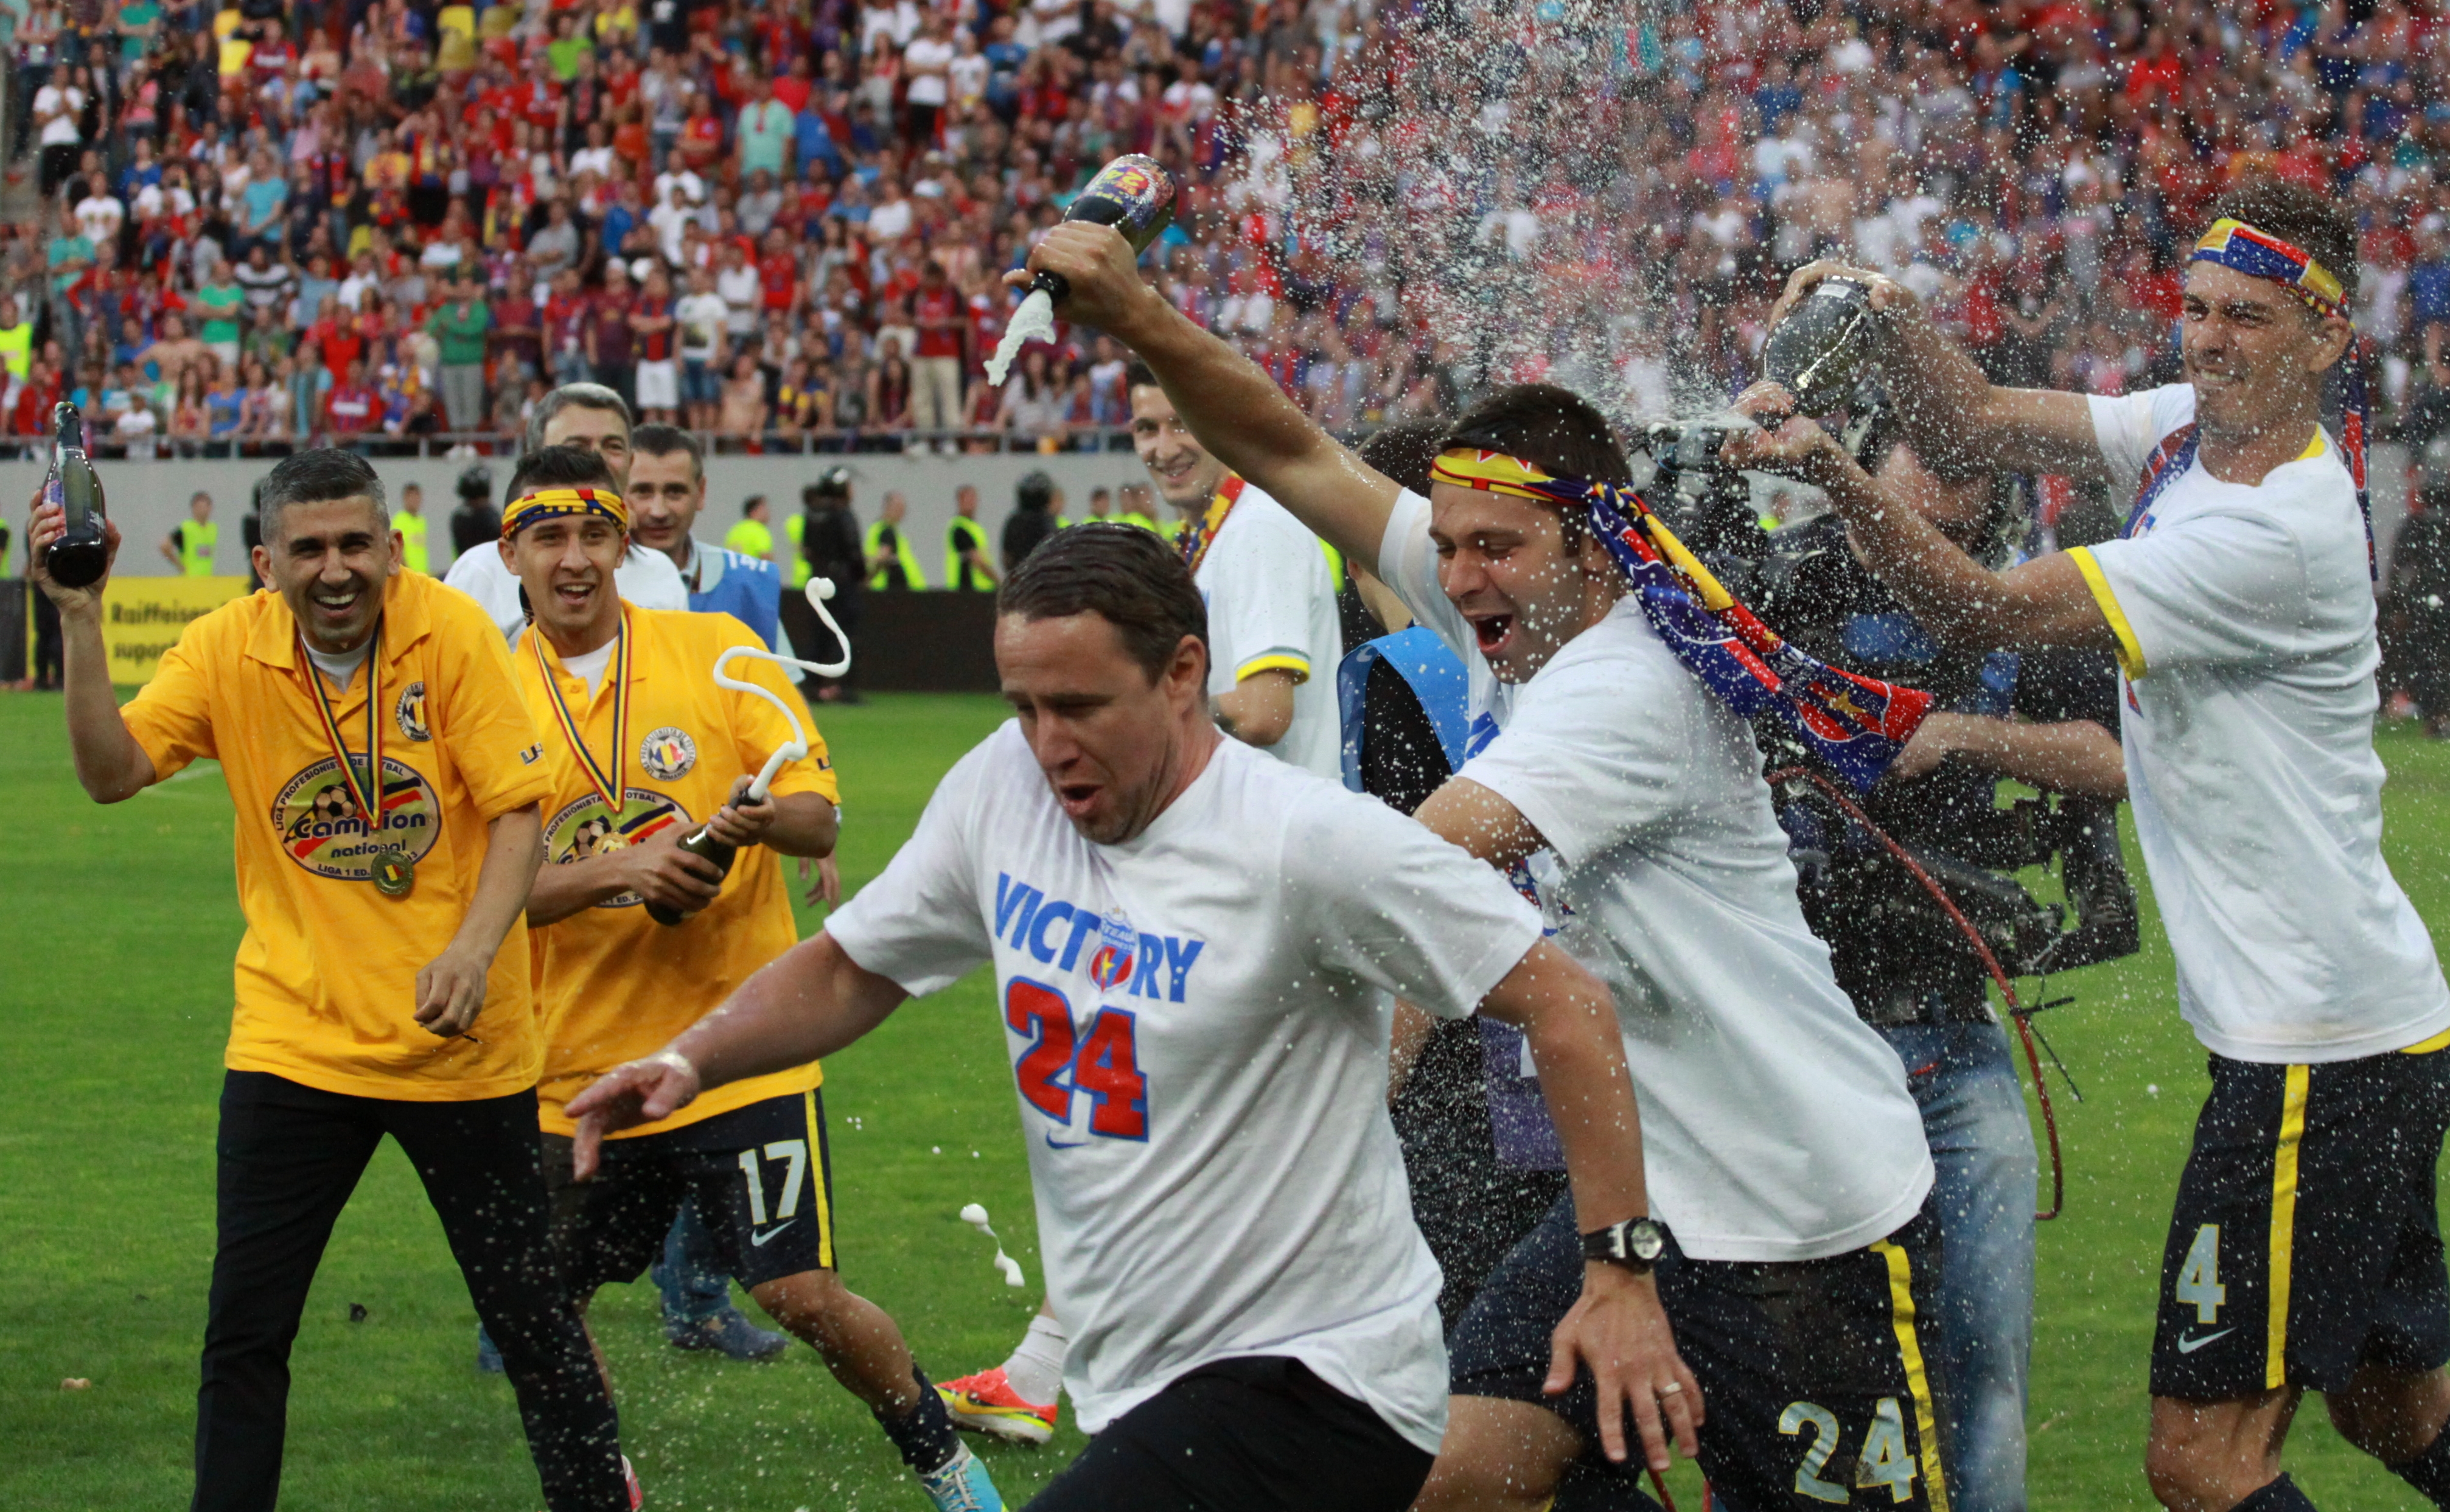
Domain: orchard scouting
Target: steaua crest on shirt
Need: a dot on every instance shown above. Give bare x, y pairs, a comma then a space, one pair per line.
410, 712
321, 829
587, 828
666, 753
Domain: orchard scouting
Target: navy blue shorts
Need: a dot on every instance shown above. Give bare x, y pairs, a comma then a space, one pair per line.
1813, 1377
2304, 1241
762, 1176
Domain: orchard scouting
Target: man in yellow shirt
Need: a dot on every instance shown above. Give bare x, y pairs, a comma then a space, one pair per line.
382, 983
642, 748
410, 522
188, 548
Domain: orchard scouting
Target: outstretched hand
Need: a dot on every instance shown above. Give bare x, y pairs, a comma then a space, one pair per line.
1618, 1330
626, 1096
1786, 441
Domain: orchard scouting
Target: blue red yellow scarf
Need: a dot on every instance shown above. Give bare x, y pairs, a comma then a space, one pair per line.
1856, 724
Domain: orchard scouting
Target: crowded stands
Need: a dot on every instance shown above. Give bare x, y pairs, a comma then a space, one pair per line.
785, 224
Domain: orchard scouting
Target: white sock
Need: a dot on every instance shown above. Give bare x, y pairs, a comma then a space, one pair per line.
1036, 1369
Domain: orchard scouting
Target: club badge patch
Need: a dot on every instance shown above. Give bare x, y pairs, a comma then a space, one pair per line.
587, 829
1117, 944
667, 753
410, 712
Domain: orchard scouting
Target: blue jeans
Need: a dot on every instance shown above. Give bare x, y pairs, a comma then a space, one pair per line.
1982, 1143
695, 1288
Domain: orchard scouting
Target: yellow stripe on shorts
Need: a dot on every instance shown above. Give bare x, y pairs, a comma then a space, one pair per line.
1901, 1314
2427, 1047
817, 1158
2284, 1223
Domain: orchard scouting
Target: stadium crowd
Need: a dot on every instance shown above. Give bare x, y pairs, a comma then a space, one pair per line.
391, 223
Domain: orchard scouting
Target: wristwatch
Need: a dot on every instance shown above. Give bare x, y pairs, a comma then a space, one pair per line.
1635, 1244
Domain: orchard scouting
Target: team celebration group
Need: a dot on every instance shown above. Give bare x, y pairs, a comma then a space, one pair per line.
1721, 1180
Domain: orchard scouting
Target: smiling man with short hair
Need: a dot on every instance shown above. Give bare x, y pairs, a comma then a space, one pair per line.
386, 778
643, 747
2304, 1252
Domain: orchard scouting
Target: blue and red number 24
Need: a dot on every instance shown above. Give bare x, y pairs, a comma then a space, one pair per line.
1060, 1064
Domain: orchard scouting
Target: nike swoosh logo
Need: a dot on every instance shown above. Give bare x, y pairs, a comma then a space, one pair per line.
1052, 1143
2187, 1345
761, 1238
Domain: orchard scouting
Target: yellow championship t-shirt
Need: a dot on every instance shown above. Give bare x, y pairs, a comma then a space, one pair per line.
612, 984
326, 981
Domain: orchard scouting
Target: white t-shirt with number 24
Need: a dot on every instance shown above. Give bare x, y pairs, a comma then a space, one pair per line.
1199, 1027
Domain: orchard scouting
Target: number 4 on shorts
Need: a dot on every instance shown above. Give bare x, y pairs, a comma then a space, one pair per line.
2198, 1279
1884, 1461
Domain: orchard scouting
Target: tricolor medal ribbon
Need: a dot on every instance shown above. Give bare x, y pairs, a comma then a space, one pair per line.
394, 869
610, 785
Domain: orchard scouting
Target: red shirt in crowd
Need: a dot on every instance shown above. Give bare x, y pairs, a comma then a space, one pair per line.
942, 305
351, 408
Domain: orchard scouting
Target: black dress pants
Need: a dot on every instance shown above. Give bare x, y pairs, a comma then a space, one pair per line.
289, 1155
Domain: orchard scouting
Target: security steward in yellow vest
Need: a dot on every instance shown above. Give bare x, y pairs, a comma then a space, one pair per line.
410, 522
969, 566
388, 779
189, 546
891, 562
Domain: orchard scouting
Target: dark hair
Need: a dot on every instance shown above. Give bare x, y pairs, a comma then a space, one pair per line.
663, 440
559, 467
1034, 491
1137, 375
2313, 222
1404, 450
1552, 428
317, 475
1126, 575
585, 396
476, 481
751, 503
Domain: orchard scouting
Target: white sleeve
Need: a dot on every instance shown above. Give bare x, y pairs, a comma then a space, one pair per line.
1382, 898
1408, 562
921, 925
648, 579
1599, 748
2214, 587
1277, 572
482, 575
2128, 426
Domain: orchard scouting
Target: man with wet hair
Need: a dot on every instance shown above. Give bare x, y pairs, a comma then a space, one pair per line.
1788, 1158
1192, 945
2303, 1252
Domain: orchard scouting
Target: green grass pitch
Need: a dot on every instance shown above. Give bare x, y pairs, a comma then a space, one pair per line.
117, 927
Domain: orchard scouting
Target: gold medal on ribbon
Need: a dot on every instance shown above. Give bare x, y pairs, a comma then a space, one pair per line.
610, 782
394, 871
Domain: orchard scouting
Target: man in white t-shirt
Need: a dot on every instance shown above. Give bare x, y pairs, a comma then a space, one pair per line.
1193, 949
1271, 615
594, 417
1787, 1155
100, 216
2304, 1254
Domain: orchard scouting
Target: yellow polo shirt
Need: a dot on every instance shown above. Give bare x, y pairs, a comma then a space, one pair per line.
326, 978
612, 984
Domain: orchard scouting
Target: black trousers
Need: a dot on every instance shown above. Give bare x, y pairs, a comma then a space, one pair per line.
1261, 1434
50, 659
289, 1157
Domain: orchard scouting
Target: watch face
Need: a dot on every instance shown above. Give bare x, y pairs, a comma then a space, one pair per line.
1644, 1241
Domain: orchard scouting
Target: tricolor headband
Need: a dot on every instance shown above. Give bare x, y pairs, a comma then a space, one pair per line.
2232, 243
1490, 472
551, 503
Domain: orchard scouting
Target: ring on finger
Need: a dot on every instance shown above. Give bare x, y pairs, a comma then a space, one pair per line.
1671, 1389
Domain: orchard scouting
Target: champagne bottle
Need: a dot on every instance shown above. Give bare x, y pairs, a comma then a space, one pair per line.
78, 558
700, 843
1823, 345
1135, 195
